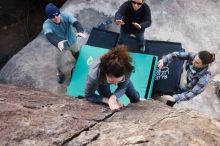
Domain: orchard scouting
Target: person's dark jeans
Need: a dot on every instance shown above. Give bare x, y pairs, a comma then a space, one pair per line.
124, 36
131, 93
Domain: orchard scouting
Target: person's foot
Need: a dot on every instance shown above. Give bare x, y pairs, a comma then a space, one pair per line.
60, 78
142, 49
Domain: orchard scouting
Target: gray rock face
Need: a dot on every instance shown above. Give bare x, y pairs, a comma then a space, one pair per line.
37, 118
208, 102
150, 124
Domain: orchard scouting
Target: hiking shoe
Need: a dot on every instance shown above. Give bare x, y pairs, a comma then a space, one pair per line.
142, 49
60, 78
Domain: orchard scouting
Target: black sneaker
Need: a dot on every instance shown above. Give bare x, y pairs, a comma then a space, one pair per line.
60, 78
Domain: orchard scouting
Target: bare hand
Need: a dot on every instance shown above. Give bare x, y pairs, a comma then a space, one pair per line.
120, 104
168, 97
80, 34
119, 22
61, 45
160, 64
136, 25
113, 103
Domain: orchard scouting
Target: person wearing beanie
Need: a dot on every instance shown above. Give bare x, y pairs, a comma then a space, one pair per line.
59, 30
197, 77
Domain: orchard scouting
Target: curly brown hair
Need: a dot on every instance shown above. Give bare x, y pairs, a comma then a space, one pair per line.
117, 62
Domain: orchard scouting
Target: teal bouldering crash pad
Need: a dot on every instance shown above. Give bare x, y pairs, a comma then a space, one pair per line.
142, 78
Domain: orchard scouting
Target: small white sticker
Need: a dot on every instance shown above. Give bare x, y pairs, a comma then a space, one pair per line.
162, 74
90, 60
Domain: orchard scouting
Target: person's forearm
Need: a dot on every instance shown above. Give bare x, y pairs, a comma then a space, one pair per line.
146, 22
78, 26
187, 95
177, 56
119, 14
120, 91
52, 39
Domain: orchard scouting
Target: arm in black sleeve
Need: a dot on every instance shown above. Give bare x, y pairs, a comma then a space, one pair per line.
52, 39
147, 17
121, 11
78, 26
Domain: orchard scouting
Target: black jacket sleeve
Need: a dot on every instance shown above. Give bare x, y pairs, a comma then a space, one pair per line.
121, 11
52, 39
78, 26
147, 17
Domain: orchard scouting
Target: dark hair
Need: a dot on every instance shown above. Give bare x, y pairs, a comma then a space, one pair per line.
117, 62
206, 57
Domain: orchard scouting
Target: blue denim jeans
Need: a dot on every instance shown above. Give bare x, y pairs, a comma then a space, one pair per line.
124, 36
131, 93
